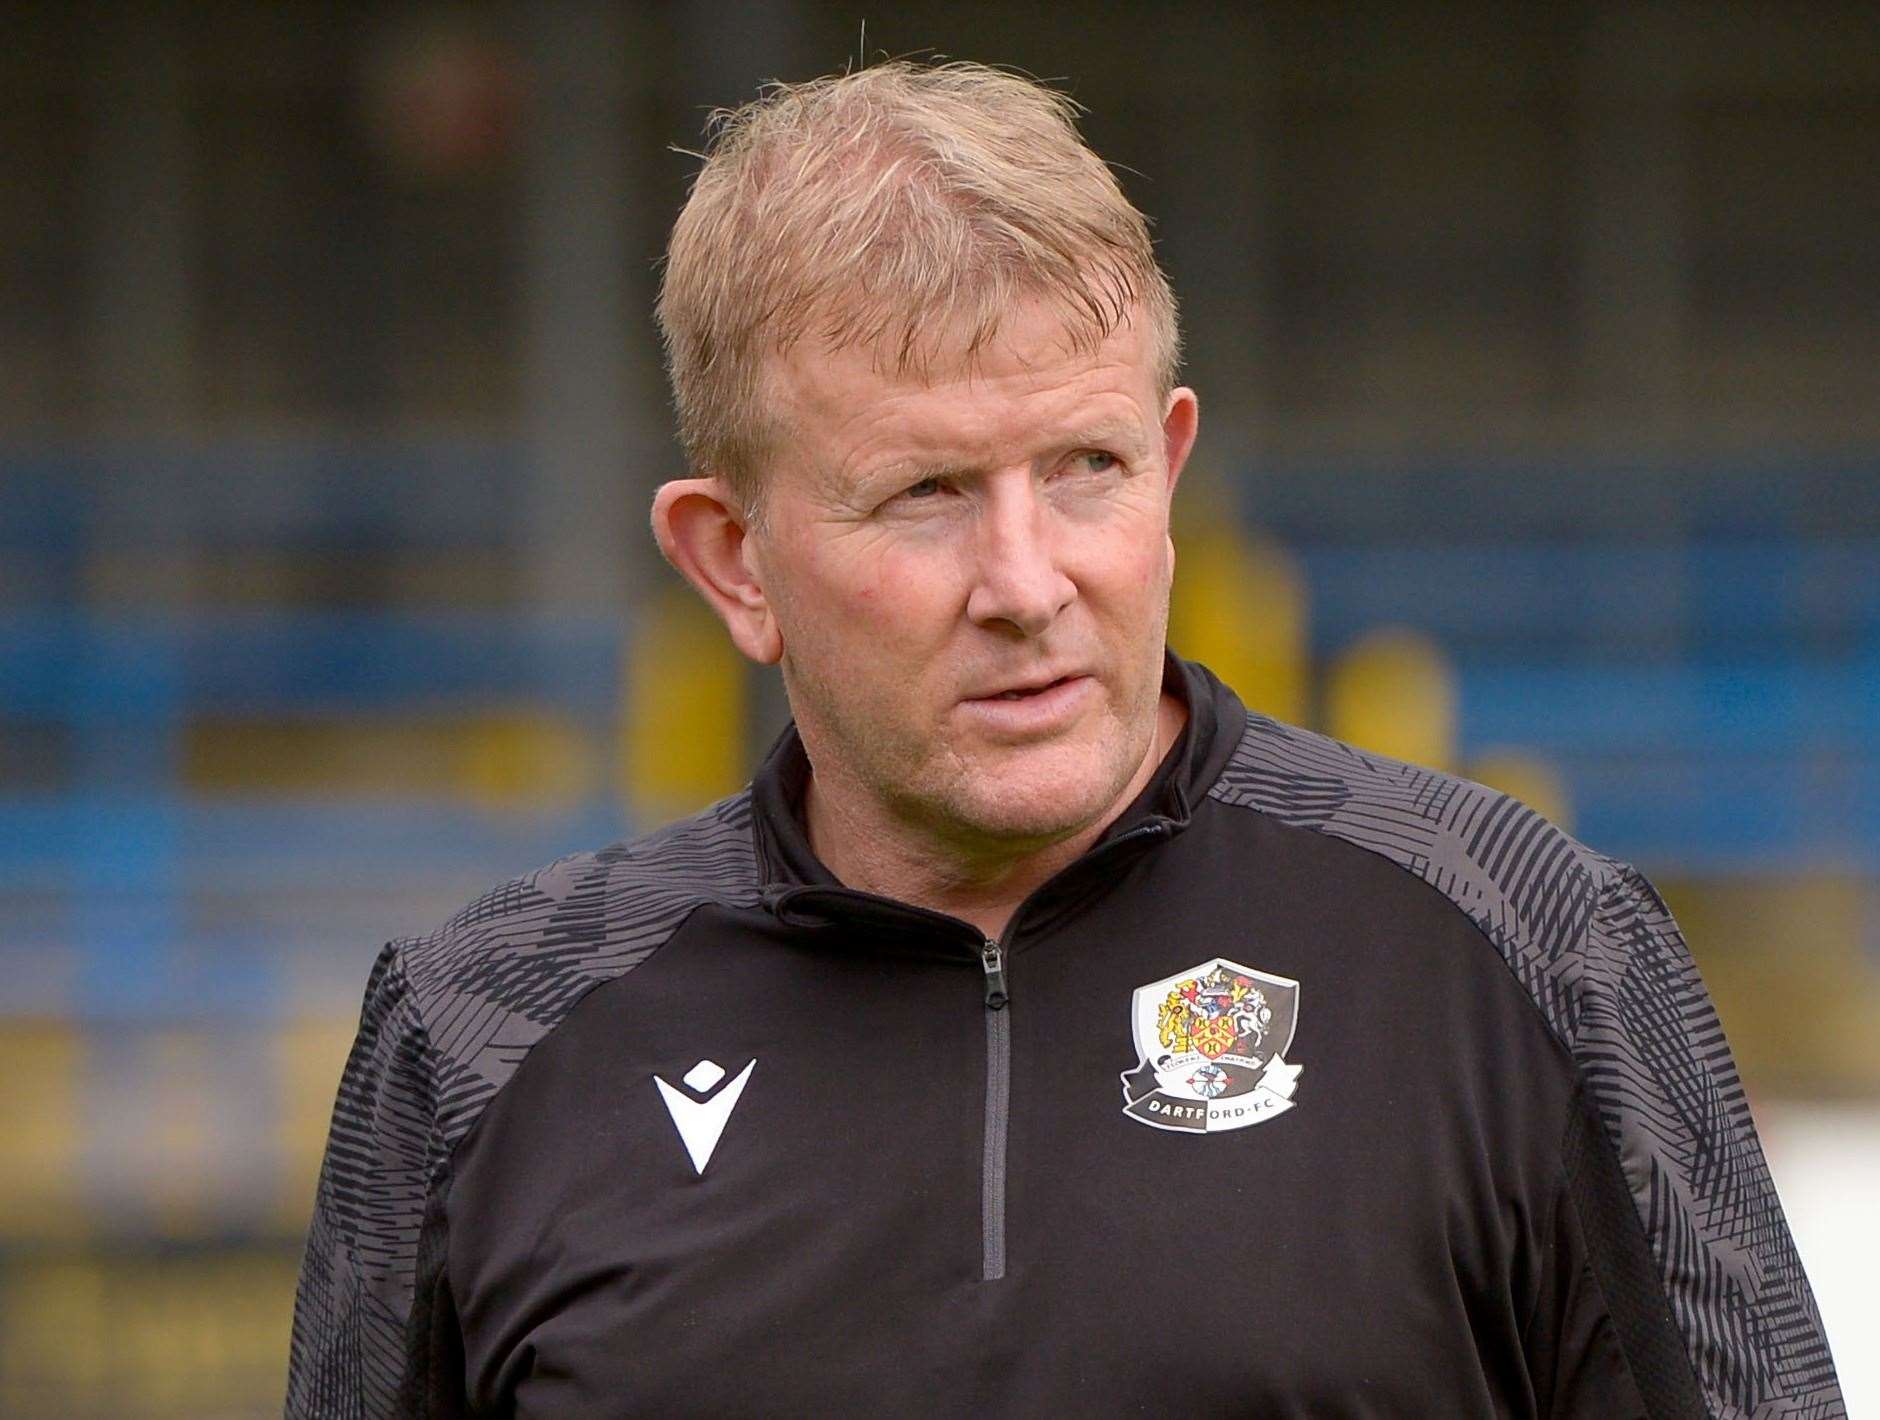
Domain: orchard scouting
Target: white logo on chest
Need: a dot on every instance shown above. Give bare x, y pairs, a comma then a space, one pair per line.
701, 1121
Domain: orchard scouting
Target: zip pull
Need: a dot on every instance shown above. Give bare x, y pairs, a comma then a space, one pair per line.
992, 958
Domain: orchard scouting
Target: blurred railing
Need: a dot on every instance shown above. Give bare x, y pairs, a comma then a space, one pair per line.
1712, 705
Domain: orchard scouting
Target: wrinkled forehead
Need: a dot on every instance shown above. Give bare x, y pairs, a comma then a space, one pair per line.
1032, 357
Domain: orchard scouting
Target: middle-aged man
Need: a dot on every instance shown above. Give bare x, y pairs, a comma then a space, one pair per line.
1040, 1033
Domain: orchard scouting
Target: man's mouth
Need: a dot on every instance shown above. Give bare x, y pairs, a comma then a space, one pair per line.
1031, 712
1027, 692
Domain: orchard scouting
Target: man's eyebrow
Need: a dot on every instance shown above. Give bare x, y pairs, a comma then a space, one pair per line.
1125, 434
919, 471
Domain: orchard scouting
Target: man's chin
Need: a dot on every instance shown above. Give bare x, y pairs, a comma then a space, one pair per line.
1032, 800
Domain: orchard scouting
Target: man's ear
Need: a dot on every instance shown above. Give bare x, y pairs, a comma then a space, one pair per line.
1180, 422
701, 530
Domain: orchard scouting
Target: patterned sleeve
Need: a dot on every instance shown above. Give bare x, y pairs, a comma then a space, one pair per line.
350, 1354
1723, 1267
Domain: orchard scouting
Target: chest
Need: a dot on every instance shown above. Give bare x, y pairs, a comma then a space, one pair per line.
880, 1194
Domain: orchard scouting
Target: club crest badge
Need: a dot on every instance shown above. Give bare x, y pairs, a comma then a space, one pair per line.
1211, 1043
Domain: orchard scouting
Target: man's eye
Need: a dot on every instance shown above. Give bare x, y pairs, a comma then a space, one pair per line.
926, 488
1097, 461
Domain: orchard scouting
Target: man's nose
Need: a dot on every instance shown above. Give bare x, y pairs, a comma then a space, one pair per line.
1018, 581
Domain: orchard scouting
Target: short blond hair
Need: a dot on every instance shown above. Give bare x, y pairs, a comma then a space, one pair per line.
893, 207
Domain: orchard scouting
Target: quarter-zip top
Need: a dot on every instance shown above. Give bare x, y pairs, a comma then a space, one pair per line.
822, 904
1160, 809
1302, 1093
827, 905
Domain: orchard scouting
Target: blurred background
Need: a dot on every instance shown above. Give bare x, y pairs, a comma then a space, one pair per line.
1539, 349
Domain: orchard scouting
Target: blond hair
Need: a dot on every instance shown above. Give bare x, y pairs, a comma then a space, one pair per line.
892, 208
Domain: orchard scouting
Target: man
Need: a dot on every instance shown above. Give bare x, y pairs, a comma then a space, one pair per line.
1040, 1033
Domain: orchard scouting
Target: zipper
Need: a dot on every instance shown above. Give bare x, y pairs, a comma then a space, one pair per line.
992, 958
999, 1074
998, 1112
998, 1102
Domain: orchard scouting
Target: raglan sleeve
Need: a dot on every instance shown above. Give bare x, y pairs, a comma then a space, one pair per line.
355, 1351
1670, 1237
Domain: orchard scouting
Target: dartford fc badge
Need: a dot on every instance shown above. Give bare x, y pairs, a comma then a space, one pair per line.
1211, 1042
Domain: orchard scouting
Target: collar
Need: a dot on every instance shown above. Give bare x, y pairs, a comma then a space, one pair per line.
793, 874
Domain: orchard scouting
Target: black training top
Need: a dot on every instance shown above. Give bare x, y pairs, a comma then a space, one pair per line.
1322, 1086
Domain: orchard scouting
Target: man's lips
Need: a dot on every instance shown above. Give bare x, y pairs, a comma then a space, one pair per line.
1030, 712
1025, 689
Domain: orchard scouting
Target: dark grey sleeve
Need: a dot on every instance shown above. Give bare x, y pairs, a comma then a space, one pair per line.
350, 1356
1703, 1255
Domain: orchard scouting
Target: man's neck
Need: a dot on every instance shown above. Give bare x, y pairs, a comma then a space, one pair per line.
872, 855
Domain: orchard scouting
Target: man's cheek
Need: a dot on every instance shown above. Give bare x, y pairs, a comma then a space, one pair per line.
849, 574
1124, 566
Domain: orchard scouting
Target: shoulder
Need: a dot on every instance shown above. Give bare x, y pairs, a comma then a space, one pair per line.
483, 988
1600, 957
582, 911
1535, 892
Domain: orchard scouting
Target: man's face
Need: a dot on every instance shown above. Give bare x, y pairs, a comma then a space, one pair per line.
970, 577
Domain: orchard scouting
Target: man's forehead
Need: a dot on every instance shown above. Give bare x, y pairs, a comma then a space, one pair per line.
1031, 331
1031, 360
920, 438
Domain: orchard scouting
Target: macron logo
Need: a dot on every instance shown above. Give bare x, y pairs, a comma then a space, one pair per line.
701, 1121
